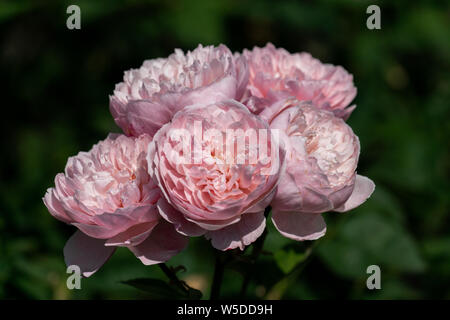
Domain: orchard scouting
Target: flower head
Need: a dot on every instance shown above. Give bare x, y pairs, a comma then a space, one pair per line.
276, 74
109, 196
224, 187
149, 96
321, 160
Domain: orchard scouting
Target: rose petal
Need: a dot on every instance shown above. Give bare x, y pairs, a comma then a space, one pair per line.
162, 244
299, 226
344, 113
223, 89
147, 117
87, 253
97, 232
175, 217
339, 197
240, 234
363, 189
54, 206
132, 236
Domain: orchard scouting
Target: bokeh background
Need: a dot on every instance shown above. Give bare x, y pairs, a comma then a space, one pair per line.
55, 84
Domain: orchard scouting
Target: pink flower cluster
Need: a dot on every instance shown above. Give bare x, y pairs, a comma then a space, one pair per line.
211, 139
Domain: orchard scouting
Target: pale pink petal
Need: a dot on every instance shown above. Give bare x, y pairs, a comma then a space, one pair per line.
363, 189
223, 89
108, 225
162, 244
117, 109
212, 225
315, 202
299, 226
344, 113
239, 234
95, 231
54, 206
118, 222
261, 205
298, 198
242, 76
146, 117
132, 236
339, 197
87, 253
175, 217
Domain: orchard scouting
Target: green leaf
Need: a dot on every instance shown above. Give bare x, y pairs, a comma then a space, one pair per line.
158, 289
279, 288
288, 258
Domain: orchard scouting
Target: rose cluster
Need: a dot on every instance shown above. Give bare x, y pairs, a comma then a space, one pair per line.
210, 140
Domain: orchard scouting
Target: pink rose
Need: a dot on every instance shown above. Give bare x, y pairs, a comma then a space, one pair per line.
152, 94
277, 74
213, 191
109, 196
321, 159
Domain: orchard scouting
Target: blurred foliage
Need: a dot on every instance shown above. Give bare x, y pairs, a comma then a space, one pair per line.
55, 85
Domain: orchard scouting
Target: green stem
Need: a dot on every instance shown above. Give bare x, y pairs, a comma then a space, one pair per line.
173, 277
217, 279
222, 260
256, 251
279, 289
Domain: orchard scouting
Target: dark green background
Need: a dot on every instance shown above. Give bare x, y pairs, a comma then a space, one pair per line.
55, 84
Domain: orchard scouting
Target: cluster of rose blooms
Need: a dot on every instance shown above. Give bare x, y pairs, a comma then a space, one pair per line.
130, 190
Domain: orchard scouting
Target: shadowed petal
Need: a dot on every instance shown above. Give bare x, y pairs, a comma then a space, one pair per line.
87, 253
147, 117
54, 206
363, 189
162, 244
299, 226
132, 236
240, 234
175, 217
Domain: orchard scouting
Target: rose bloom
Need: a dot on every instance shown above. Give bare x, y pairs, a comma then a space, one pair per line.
321, 159
276, 74
149, 96
109, 196
217, 194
